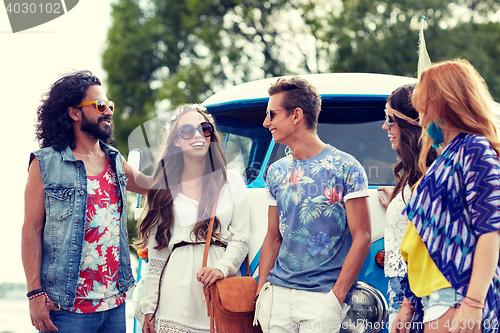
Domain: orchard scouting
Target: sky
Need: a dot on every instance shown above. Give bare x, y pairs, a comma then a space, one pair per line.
30, 61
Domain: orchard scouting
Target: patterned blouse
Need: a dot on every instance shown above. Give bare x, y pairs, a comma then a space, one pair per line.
457, 201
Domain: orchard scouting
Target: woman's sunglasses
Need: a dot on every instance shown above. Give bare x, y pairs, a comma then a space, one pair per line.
100, 106
388, 119
187, 131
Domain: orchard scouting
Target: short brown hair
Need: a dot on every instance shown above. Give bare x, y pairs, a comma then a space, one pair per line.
299, 93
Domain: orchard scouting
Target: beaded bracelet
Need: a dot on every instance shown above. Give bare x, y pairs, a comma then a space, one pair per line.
412, 308
40, 294
408, 305
33, 292
464, 300
475, 300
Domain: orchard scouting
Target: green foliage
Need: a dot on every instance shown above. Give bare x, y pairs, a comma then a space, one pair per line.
162, 53
183, 51
479, 44
130, 65
382, 36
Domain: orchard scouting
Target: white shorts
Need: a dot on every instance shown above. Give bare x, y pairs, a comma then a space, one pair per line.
439, 302
281, 310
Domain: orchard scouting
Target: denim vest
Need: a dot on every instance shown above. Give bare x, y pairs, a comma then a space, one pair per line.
65, 186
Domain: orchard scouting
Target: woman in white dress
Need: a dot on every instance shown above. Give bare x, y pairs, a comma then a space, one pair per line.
404, 132
190, 175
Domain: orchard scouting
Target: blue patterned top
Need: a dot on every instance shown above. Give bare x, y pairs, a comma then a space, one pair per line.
310, 196
457, 201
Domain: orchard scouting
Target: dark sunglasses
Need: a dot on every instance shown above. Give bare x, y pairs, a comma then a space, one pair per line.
187, 131
388, 119
271, 113
100, 106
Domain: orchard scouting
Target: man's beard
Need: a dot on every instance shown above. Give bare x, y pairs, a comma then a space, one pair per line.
94, 129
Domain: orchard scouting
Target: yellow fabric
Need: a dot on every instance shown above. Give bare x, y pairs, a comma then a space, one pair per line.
423, 275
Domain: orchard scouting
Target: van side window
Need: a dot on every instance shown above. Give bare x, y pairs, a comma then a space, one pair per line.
237, 149
367, 142
245, 148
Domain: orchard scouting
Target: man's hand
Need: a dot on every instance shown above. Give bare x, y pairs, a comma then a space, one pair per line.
39, 313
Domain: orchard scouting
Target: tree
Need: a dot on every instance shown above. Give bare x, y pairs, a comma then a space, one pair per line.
129, 61
162, 53
381, 36
183, 51
478, 43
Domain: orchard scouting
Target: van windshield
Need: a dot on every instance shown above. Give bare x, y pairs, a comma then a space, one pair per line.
246, 147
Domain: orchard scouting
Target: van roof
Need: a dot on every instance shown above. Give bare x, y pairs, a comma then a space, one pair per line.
333, 85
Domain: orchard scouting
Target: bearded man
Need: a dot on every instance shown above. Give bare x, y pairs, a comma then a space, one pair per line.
74, 237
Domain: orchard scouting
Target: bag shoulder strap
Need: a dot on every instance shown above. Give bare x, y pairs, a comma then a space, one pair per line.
209, 237
209, 231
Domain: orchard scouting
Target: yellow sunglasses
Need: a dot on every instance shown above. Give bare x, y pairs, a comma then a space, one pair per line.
100, 106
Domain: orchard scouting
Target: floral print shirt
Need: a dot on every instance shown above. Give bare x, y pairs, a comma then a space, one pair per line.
97, 288
310, 196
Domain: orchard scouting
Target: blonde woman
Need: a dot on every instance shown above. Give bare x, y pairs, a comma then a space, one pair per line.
453, 241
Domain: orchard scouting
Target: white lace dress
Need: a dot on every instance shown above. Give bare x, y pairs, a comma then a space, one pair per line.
182, 307
395, 228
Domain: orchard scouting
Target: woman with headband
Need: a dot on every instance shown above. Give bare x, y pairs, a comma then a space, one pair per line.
190, 175
404, 132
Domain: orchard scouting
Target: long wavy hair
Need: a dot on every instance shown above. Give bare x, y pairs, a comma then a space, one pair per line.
461, 99
406, 170
166, 186
54, 126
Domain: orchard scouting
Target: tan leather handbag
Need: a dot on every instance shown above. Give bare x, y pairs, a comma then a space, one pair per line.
230, 301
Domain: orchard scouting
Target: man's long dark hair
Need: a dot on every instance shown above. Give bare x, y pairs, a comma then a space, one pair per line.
406, 169
54, 126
